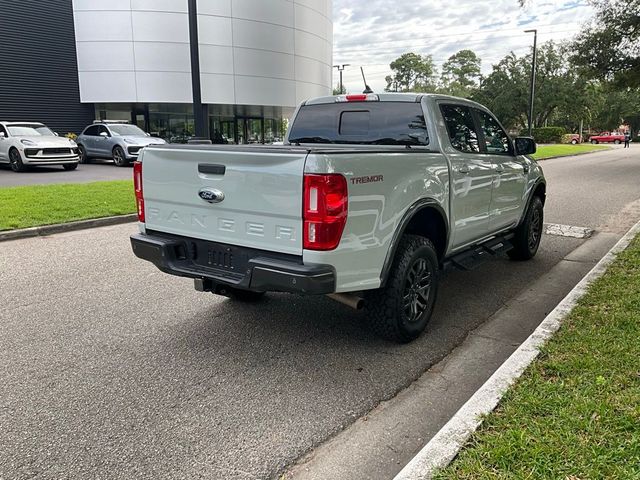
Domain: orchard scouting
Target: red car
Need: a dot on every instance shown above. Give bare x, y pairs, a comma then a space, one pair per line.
607, 137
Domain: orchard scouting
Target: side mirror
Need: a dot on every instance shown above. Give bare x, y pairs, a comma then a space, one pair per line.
525, 146
104, 134
2, 134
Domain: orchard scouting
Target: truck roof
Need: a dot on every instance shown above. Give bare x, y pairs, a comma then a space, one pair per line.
392, 97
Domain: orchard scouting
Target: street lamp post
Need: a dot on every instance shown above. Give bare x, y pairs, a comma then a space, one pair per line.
340, 69
533, 79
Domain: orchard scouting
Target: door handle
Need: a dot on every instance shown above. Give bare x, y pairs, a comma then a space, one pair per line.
463, 169
499, 169
525, 168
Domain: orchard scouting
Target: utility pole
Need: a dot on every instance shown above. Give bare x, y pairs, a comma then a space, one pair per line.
340, 69
533, 78
200, 111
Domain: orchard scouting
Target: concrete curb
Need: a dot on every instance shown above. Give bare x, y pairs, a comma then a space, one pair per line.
446, 444
66, 227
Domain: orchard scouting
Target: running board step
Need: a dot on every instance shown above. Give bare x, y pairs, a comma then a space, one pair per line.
479, 254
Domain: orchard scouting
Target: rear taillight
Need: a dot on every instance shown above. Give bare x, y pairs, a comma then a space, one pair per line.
137, 187
324, 211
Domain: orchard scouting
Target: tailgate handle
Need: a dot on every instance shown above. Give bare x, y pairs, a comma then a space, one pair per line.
211, 169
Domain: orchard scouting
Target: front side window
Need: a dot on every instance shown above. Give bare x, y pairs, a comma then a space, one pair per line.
92, 131
362, 123
461, 128
496, 140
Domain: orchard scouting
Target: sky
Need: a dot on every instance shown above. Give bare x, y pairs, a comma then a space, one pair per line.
372, 33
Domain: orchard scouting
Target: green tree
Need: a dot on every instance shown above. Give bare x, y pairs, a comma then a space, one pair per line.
460, 73
505, 91
620, 106
561, 94
337, 91
412, 73
609, 47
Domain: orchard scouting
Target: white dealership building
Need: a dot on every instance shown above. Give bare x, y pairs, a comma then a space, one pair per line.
257, 60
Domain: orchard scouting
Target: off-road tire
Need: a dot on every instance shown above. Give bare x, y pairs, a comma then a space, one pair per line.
15, 160
386, 307
119, 157
70, 166
529, 233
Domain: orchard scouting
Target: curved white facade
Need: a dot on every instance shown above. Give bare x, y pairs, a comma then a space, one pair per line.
252, 52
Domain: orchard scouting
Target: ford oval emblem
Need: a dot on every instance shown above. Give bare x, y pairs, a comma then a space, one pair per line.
211, 195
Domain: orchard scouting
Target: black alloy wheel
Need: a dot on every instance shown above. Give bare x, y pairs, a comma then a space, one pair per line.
16, 161
535, 229
417, 289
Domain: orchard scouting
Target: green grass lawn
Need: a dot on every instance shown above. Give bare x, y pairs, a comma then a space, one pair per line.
31, 206
575, 413
546, 151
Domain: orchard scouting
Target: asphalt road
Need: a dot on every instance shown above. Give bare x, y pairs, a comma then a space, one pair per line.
111, 369
97, 171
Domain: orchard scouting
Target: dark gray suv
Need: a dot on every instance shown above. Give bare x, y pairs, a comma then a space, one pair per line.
117, 140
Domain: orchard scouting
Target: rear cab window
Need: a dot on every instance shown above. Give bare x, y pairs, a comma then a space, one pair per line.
362, 123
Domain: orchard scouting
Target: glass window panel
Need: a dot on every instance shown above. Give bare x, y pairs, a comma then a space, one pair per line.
461, 128
496, 140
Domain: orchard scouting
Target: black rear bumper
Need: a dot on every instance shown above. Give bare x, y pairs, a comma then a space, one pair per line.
212, 264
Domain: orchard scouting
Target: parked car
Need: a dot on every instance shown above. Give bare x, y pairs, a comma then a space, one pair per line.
607, 137
575, 139
119, 141
24, 144
370, 197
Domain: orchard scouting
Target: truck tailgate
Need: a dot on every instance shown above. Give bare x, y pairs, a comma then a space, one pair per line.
262, 187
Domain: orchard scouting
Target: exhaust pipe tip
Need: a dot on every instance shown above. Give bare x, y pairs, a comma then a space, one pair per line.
348, 299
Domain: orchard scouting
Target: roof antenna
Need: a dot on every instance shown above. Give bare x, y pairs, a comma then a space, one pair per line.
367, 88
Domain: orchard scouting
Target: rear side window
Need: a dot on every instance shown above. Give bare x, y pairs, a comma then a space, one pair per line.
461, 128
364, 123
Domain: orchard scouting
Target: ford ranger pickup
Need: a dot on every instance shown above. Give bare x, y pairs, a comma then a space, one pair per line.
370, 198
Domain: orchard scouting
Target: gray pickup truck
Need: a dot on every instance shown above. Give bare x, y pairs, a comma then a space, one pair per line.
368, 200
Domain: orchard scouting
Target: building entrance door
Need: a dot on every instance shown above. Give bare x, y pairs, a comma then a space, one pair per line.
250, 130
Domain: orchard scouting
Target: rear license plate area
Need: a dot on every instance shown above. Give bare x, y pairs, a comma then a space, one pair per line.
218, 257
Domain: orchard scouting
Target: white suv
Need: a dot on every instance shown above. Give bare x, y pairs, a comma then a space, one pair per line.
23, 144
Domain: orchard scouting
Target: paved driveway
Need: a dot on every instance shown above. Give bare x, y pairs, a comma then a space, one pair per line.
97, 171
111, 369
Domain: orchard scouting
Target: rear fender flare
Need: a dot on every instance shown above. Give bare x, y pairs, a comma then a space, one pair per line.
411, 212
